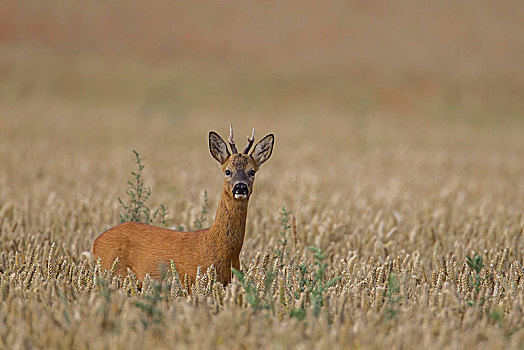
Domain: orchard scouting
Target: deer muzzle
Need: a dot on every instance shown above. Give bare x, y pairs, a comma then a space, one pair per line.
240, 190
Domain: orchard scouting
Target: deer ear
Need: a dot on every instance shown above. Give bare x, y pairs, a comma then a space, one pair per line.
218, 148
263, 149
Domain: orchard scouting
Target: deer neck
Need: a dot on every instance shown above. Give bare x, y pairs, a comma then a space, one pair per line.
230, 222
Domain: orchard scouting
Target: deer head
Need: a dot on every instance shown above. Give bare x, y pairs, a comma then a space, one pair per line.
240, 168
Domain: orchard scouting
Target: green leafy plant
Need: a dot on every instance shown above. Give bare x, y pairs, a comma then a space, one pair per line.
258, 300
298, 313
392, 299
135, 208
151, 310
252, 294
282, 251
302, 280
105, 307
315, 287
199, 223
476, 264
319, 286
497, 316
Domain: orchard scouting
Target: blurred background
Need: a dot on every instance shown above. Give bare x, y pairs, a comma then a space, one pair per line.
391, 103
307, 62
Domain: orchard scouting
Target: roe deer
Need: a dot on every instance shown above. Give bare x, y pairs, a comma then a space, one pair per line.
148, 249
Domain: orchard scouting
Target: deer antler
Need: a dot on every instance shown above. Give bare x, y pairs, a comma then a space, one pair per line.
231, 141
250, 141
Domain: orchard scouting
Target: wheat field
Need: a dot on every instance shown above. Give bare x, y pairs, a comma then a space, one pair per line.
391, 214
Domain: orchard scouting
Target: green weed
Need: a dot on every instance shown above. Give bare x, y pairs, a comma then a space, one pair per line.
135, 209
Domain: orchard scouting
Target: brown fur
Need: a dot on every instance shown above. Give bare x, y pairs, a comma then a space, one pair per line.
148, 249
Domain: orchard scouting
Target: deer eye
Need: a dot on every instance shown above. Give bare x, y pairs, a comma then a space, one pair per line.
252, 173
228, 172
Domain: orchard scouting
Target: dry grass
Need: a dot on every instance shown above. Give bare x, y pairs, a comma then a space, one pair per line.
399, 152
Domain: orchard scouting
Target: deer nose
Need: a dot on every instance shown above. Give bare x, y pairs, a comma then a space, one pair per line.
240, 188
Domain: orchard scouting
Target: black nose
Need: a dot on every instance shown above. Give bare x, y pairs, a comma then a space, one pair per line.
240, 188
